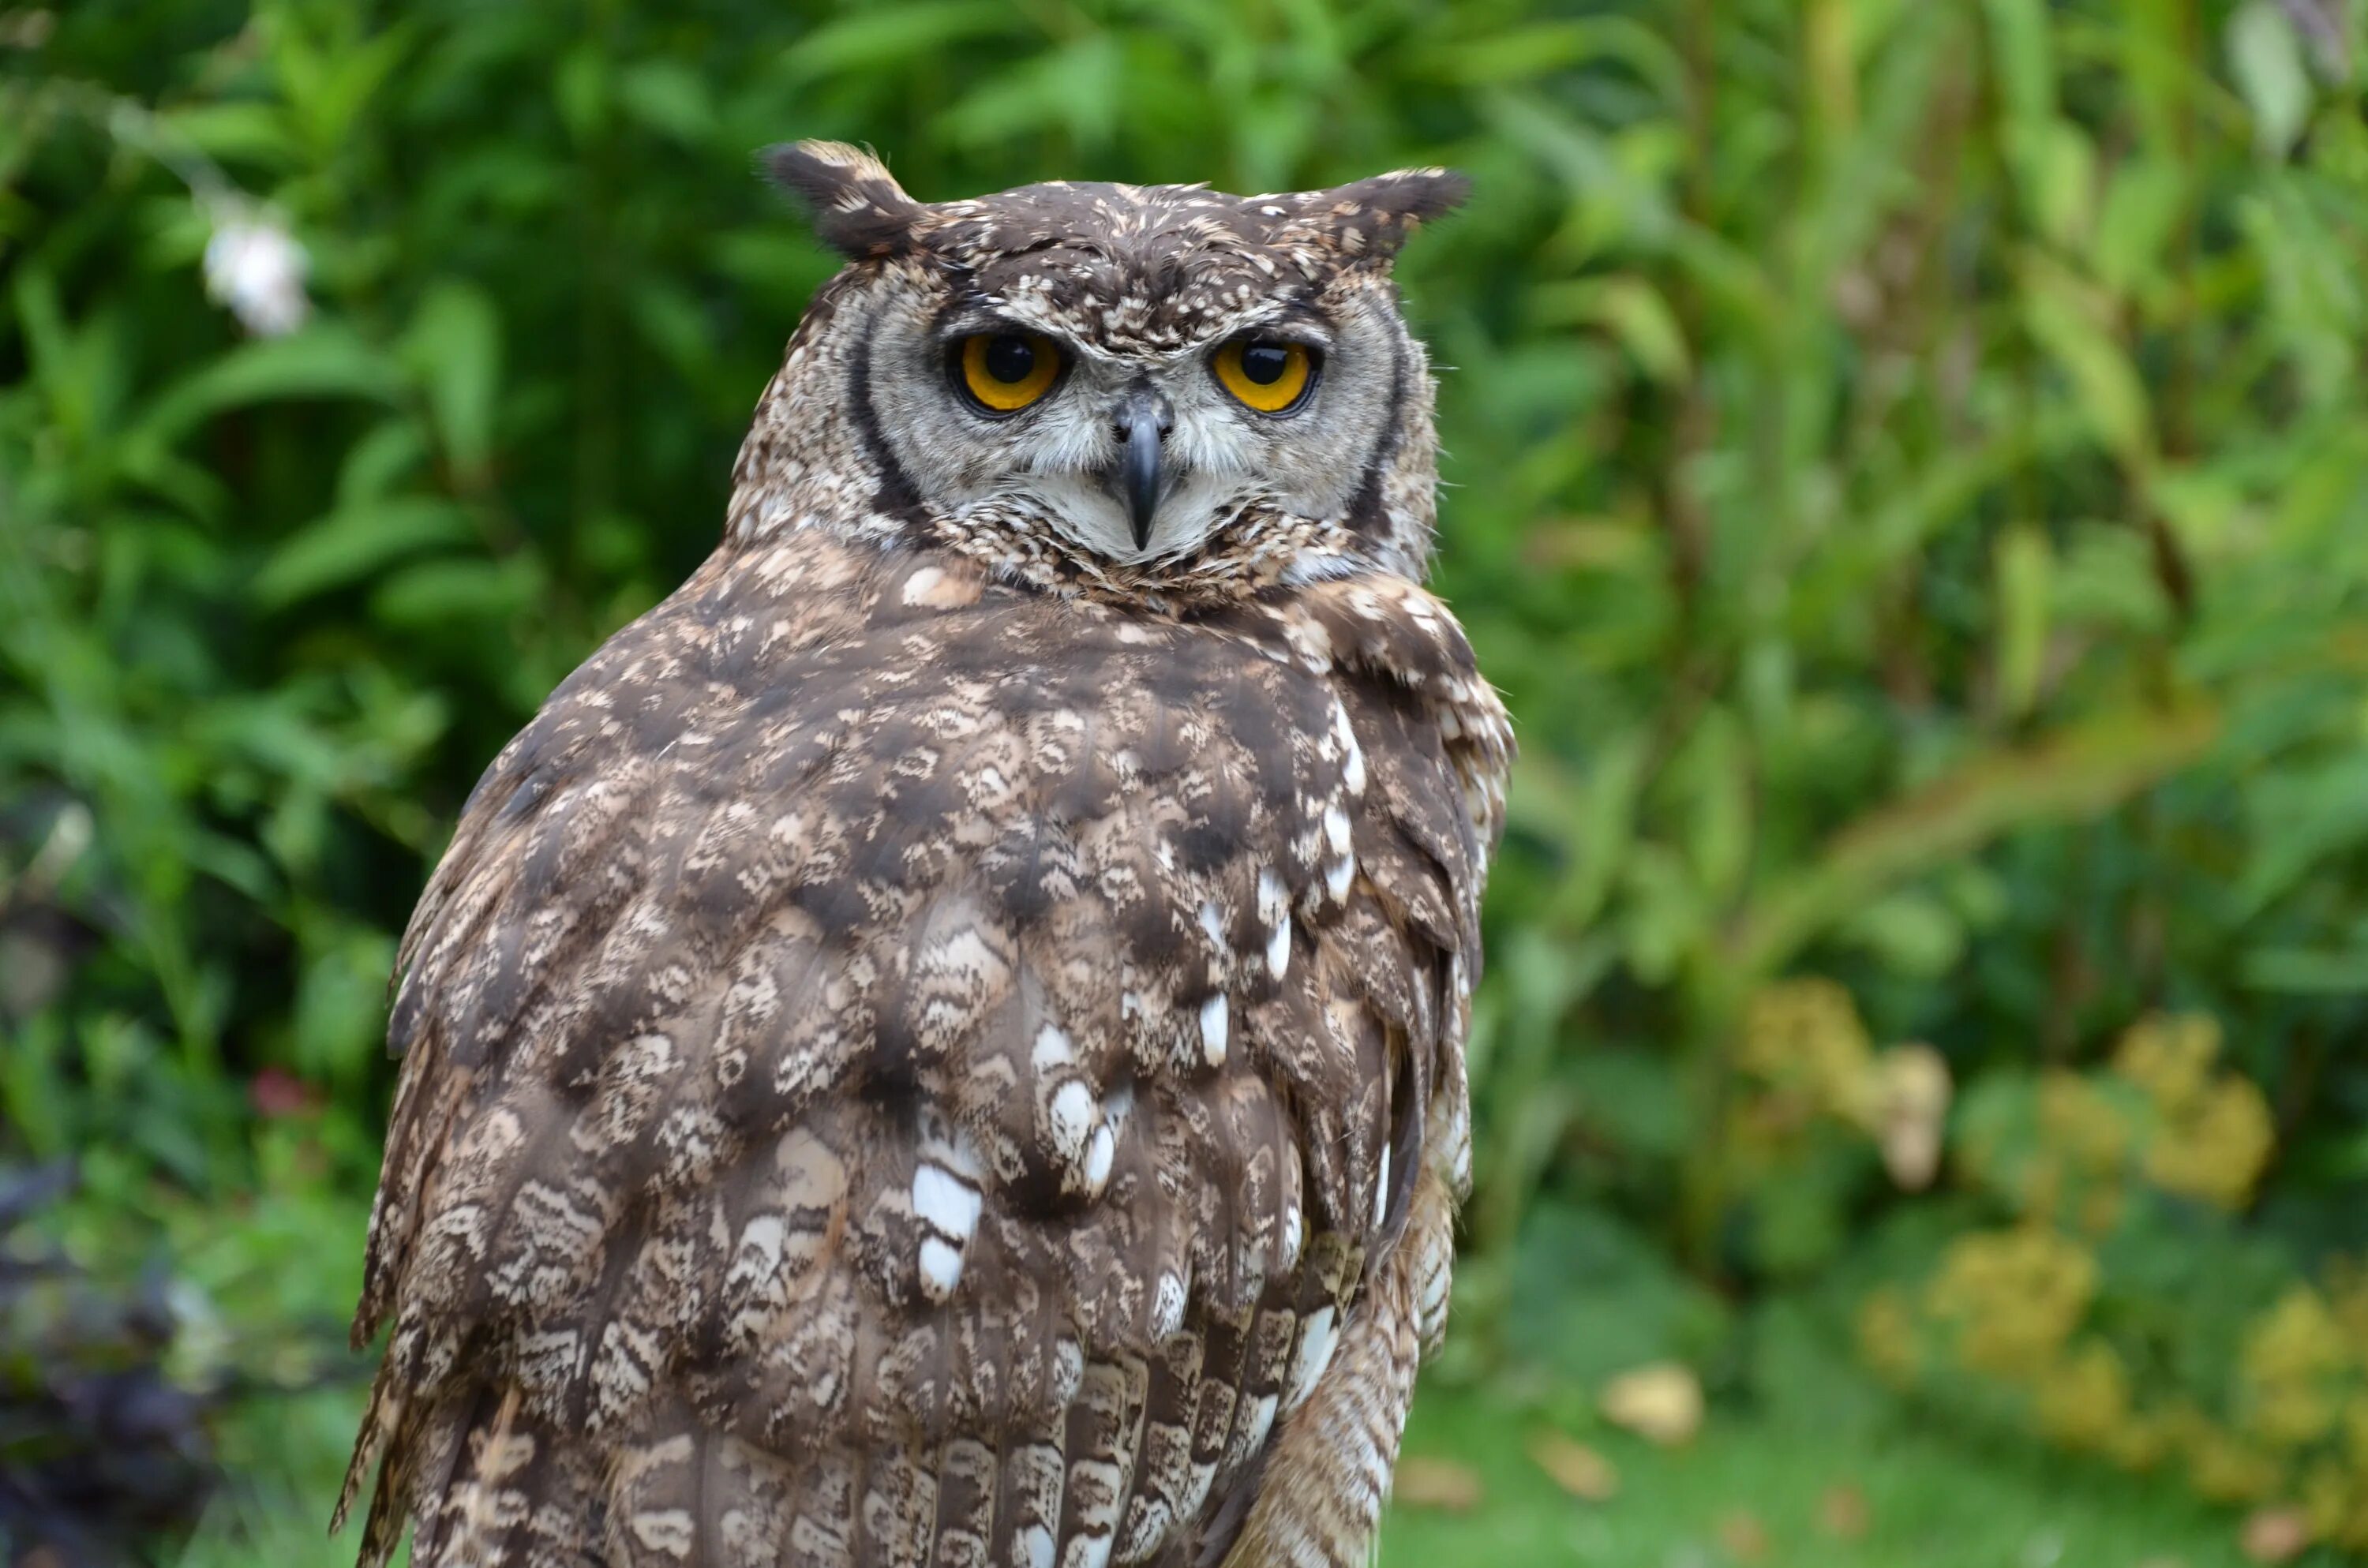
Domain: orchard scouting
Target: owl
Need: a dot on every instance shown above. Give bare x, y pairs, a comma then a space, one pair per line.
943, 1042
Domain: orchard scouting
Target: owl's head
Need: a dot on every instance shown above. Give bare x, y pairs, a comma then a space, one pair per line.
1137, 387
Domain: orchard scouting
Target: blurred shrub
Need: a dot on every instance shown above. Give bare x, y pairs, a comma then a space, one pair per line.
1909, 470
2119, 1309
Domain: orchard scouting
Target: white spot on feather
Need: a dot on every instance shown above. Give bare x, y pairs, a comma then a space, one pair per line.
1096, 1522
1101, 1155
1167, 1306
946, 1203
1338, 875
1070, 1119
759, 1256
1341, 736
1054, 1048
667, 1530
942, 1268
1213, 1031
1317, 1339
1381, 1190
1213, 921
1256, 1422
1274, 913
1336, 828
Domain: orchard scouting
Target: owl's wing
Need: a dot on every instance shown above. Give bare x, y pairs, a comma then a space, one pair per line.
898, 1070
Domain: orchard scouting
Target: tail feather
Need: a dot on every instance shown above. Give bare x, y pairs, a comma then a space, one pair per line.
485, 1485
1319, 1501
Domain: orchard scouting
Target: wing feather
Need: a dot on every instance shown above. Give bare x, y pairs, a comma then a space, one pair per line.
897, 1077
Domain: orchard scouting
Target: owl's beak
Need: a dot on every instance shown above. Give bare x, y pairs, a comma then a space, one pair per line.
1142, 422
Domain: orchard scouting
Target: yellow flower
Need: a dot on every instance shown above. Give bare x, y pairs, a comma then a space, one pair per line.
2225, 1469
2142, 1440
2336, 1499
2298, 1338
2291, 1354
2080, 1122
2084, 1400
1806, 1035
2169, 1058
2347, 1298
2085, 1142
2016, 1295
2214, 1147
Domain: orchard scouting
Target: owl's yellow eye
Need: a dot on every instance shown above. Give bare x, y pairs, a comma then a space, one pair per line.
1269, 375
1006, 371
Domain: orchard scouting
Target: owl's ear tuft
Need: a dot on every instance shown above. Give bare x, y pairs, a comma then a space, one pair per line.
1371, 218
859, 208
1413, 195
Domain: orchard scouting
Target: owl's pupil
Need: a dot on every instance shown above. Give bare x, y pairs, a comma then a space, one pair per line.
1010, 359
1264, 363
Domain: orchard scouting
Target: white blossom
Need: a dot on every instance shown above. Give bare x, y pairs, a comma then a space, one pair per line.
256, 268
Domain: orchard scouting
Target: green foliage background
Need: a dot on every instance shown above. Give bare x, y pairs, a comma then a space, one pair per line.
1910, 475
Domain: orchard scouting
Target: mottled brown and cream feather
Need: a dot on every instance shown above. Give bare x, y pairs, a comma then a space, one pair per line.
932, 1049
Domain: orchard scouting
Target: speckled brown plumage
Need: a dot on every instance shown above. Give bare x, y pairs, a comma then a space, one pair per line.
935, 1047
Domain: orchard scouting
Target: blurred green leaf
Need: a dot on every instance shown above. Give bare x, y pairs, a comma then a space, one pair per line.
454, 347
2023, 52
670, 97
1074, 89
1635, 313
250, 131
2308, 972
1537, 48
2109, 393
877, 41
323, 361
2067, 777
350, 544
2141, 207
2267, 59
2025, 567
